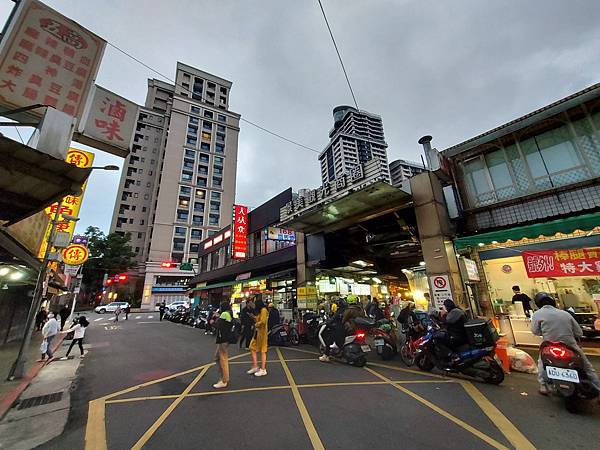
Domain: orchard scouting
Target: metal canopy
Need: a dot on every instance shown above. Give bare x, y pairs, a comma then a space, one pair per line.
31, 180
375, 200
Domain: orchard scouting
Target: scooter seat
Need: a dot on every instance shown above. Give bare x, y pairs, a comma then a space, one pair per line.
364, 322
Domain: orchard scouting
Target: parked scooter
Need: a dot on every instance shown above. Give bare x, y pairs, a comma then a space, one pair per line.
384, 339
355, 348
476, 359
566, 376
311, 324
283, 334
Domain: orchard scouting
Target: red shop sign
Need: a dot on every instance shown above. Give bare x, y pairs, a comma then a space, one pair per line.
240, 231
563, 263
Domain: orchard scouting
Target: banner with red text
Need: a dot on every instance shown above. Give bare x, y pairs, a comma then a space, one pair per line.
563, 263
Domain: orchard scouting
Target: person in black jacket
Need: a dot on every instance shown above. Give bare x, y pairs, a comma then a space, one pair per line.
224, 338
274, 317
247, 324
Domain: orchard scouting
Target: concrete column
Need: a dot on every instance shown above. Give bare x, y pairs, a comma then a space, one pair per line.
304, 273
436, 233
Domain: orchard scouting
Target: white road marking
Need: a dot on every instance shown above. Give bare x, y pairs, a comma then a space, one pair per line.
99, 319
138, 317
150, 317
149, 322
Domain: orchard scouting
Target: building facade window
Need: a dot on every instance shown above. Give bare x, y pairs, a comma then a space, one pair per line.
180, 231
182, 216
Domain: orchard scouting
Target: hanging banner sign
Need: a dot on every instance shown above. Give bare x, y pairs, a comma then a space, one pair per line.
563, 263
47, 58
240, 232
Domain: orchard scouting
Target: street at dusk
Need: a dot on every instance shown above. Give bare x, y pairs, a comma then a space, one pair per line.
319, 224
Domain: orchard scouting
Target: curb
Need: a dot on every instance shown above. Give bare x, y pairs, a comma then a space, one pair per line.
11, 397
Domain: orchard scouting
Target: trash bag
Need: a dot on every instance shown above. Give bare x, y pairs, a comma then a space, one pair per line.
521, 361
44, 346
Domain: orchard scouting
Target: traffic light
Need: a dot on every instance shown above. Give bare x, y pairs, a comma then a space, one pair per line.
168, 265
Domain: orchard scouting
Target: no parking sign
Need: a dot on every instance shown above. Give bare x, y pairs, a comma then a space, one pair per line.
440, 288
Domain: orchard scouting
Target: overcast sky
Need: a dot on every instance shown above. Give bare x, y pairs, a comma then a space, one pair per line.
451, 69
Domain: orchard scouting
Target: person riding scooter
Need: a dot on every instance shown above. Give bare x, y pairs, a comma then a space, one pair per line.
453, 335
556, 325
335, 330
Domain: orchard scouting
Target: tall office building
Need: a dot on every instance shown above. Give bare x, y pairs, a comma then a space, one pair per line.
356, 137
178, 183
401, 170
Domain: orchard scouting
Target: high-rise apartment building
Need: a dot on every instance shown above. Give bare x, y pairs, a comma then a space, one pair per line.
178, 183
401, 170
356, 137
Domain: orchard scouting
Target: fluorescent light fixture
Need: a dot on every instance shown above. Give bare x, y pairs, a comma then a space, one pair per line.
4, 271
481, 244
422, 263
16, 275
361, 263
376, 280
494, 242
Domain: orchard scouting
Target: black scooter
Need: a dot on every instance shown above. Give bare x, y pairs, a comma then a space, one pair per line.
566, 376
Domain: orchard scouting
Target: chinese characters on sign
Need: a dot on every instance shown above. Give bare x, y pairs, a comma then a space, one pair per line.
326, 191
47, 59
71, 204
240, 232
110, 119
563, 263
75, 254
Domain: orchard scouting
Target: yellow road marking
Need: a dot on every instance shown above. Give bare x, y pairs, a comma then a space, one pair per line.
95, 430
506, 427
302, 351
308, 423
276, 360
401, 369
484, 437
150, 431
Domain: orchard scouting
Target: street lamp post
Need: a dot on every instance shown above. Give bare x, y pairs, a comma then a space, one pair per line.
19, 365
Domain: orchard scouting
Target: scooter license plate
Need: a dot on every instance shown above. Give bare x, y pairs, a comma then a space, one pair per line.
283, 333
558, 373
365, 348
378, 342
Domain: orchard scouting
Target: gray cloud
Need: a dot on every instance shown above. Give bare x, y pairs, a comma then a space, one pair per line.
450, 69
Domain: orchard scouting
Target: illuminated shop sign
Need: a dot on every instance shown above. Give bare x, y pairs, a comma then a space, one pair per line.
240, 232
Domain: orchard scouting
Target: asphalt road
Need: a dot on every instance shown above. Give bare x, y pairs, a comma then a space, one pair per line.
146, 383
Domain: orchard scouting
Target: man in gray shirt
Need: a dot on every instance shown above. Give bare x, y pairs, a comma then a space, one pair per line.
556, 325
50, 330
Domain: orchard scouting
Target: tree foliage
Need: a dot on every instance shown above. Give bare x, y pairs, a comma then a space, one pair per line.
110, 254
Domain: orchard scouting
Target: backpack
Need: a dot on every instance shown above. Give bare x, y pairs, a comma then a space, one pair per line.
236, 330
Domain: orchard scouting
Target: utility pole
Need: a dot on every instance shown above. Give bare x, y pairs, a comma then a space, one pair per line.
19, 365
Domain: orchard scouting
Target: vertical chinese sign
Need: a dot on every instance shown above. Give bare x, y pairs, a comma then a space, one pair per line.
46, 58
239, 237
563, 263
71, 204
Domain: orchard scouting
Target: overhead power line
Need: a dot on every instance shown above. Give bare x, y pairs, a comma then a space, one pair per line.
291, 141
339, 55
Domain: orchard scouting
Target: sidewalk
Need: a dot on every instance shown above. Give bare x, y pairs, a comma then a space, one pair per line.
43, 408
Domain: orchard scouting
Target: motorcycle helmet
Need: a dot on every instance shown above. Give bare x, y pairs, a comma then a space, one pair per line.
352, 299
543, 299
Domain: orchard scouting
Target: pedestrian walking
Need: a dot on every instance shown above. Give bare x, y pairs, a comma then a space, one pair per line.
40, 318
225, 336
127, 311
78, 334
50, 330
64, 314
161, 310
117, 312
259, 341
247, 324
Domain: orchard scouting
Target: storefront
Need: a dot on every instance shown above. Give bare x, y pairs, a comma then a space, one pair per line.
561, 257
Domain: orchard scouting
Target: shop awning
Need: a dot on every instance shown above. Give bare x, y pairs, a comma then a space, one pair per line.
375, 200
30, 180
227, 283
584, 222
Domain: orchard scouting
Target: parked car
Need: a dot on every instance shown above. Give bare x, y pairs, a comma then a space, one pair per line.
111, 307
176, 304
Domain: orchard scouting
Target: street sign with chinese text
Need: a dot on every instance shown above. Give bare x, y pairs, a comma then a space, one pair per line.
440, 289
563, 263
109, 121
75, 254
71, 204
48, 59
240, 232
71, 270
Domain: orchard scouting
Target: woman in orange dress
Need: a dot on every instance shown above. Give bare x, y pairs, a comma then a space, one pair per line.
259, 341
